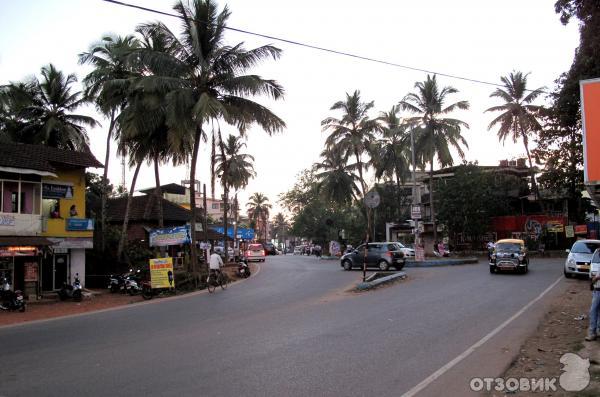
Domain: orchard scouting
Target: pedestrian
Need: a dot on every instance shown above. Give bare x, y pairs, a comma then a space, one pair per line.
594, 328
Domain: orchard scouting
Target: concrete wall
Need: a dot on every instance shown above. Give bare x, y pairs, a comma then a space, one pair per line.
78, 264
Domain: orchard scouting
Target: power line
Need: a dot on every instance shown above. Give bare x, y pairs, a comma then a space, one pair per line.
314, 47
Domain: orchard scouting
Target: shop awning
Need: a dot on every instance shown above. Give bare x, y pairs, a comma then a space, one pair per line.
24, 241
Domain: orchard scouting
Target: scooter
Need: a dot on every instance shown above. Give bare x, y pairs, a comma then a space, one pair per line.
71, 291
133, 283
243, 270
11, 300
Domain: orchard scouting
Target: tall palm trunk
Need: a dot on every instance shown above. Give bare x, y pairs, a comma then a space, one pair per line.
193, 253
104, 197
213, 164
225, 194
363, 186
533, 182
158, 193
127, 210
431, 201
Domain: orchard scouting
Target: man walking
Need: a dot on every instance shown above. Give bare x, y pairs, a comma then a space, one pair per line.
595, 309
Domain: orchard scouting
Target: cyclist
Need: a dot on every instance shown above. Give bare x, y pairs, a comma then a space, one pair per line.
215, 263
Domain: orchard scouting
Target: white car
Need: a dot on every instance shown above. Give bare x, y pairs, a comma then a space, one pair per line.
255, 252
407, 251
580, 257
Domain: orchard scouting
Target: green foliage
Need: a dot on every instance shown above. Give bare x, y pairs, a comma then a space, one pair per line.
472, 197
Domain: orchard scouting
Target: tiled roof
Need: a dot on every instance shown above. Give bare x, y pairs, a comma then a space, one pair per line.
44, 158
146, 208
172, 188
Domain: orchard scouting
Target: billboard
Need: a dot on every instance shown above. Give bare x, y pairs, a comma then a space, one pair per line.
590, 103
170, 236
161, 273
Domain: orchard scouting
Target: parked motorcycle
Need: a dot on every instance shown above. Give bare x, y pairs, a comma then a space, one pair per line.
243, 270
133, 284
74, 291
116, 282
11, 300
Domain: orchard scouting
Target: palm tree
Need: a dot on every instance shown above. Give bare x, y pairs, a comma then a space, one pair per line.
235, 170
206, 80
108, 57
258, 210
390, 155
519, 117
336, 179
46, 109
281, 227
353, 133
435, 134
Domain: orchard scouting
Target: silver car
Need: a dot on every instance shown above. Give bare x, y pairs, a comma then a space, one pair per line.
580, 257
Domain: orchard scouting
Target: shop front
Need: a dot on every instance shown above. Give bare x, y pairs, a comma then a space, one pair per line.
20, 262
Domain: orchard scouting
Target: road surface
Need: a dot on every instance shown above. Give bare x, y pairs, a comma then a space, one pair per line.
291, 330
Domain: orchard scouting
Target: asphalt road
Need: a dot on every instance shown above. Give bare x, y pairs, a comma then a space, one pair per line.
290, 330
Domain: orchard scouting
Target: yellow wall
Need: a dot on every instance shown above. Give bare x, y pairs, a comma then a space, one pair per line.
57, 227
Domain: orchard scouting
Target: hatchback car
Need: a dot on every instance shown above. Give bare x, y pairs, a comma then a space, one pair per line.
509, 254
270, 249
255, 252
580, 257
380, 255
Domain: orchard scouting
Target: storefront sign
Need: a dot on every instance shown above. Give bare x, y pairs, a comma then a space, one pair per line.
243, 233
52, 191
7, 220
61, 244
31, 271
76, 224
415, 211
161, 273
18, 251
581, 229
170, 236
554, 226
569, 232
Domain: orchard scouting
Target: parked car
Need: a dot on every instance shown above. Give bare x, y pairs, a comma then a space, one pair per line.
580, 257
255, 252
509, 254
408, 252
270, 249
298, 250
381, 255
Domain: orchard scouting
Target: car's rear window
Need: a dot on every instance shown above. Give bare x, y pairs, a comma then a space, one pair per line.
584, 248
393, 247
255, 247
596, 257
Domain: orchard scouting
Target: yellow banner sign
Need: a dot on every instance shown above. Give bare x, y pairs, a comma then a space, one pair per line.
161, 273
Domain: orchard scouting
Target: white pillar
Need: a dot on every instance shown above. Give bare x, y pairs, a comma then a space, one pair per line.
78, 264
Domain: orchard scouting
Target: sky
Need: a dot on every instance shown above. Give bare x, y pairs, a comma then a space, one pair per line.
481, 40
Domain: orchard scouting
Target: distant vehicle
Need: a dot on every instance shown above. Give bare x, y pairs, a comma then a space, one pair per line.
509, 254
408, 252
381, 255
255, 252
298, 250
580, 257
270, 249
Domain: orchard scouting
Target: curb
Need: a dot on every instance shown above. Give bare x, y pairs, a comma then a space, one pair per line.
383, 280
442, 262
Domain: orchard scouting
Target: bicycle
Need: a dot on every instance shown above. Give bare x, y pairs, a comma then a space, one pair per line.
220, 279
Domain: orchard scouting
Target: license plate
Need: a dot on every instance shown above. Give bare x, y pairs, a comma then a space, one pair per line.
587, 268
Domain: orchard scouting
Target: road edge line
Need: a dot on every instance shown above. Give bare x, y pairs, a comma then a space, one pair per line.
427, 381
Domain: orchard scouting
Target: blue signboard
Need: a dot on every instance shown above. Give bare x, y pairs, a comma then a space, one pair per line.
170, 236
243, 233
77, 224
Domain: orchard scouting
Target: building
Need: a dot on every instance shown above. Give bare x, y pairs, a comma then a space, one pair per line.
43, 229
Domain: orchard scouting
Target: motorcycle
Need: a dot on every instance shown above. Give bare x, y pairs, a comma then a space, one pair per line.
74, 291
11, 300
133, 283
116, 283
243, 270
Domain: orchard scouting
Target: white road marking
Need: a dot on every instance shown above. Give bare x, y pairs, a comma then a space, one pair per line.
427, 381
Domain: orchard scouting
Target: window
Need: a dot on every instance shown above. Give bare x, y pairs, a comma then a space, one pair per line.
10, 196
30, 198
51, 208
215, 206
23, 197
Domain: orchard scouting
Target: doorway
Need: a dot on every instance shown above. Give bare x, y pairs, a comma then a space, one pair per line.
55, 271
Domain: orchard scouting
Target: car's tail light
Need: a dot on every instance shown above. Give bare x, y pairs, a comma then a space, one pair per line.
389, 253
248, 253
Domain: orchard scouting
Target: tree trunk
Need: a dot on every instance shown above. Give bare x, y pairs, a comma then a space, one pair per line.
104, 192
533, 183
431, 202
364, 194
225, 242
158, 194
213, 162
193, 253
127, 209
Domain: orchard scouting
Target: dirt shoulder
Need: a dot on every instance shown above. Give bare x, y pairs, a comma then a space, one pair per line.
561, 331
97, 299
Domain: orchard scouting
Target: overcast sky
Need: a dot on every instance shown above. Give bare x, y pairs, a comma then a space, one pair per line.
477, 39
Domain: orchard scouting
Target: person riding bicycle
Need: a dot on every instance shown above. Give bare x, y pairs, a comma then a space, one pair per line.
215, 263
